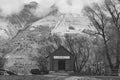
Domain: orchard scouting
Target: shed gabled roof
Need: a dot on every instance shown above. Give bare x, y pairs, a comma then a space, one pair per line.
60, 48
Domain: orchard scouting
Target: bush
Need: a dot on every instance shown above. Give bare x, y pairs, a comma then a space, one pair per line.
2, 62
35, 71
42, 63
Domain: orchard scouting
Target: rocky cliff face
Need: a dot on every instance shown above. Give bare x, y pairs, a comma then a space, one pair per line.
65, 23
15, 22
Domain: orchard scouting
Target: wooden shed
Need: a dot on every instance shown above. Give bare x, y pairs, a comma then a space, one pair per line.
61, 60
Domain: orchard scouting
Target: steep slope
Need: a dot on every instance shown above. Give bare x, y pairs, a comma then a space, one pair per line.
65, 23
16, 22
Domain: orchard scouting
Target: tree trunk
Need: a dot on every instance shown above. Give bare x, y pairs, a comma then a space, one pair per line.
115, 71
80, 67
74, 64
107, 53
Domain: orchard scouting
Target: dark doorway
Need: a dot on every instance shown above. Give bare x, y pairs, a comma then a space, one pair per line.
61, 65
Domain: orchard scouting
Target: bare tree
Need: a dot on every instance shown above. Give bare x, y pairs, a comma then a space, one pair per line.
105, 18
79, 47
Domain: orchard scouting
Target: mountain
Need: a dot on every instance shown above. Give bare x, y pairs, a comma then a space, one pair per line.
18, 26
16, 22
58, 22
24, 38
65, 23
10, 25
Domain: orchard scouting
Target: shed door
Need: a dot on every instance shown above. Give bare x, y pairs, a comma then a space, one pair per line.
61, 64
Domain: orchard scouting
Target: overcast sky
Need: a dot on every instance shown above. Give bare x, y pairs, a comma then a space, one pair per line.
65, 6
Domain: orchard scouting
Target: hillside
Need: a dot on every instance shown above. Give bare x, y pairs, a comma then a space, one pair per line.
65, 23
24, 32
58, 23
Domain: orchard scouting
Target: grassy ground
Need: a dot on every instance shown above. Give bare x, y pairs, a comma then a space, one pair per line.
58, 76
55, 77
108, 78
24, 78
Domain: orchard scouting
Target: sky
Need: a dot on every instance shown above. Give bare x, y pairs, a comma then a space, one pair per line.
8, 7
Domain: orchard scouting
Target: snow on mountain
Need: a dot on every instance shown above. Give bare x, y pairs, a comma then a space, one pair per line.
65, 23
3, 30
